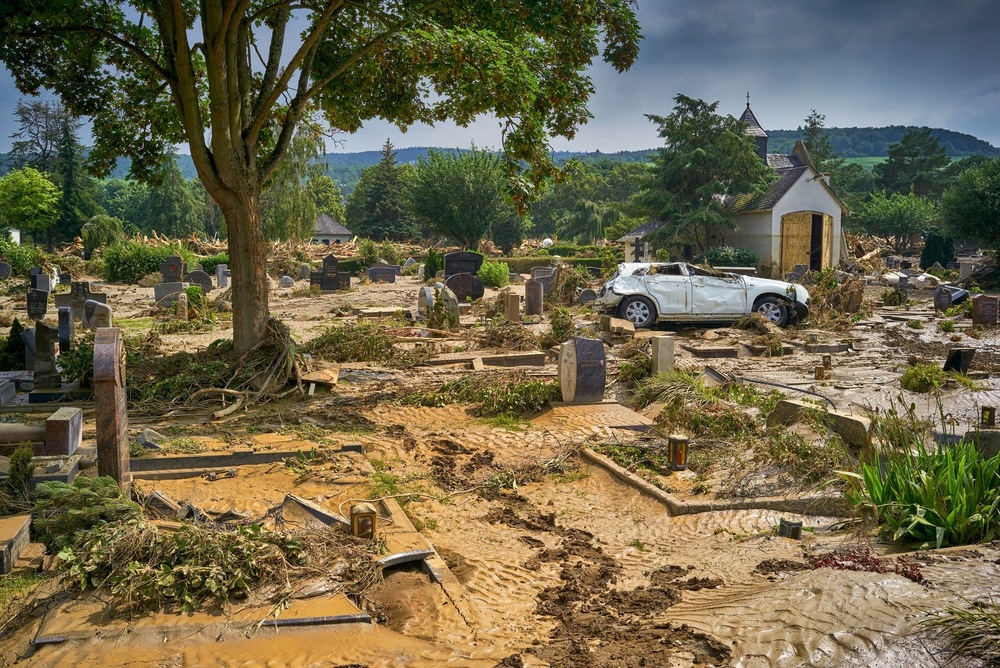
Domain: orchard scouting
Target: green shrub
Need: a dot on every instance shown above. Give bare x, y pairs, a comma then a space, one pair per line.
211, 262
12, 352
923, 377
494, 274
893, 297
914, 324
20, 472
938, 247
946, 326
128, 261
523, 265
561, 325
728, 256
433, 264
388, 252
513, 395
948, 495
20, 258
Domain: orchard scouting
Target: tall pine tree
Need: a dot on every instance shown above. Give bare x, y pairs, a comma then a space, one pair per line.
78, 204
376, 209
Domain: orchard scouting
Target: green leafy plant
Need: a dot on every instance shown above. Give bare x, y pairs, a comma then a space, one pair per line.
494, 274
893, 297
561, 325
433, 264
364, 342
212, 261
728, 256
914, 324
19, 474
942, 495
946, 326
61, 510
128, 261
923, 378
511, 395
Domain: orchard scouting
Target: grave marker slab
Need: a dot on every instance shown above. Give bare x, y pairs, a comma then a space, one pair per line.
343, 280
38, 303
942, 298
382, 274
199, 277
304, 271
462, 262
222, 275
984, 309
46, 374
582, 370
109, 406
4, 271
28, 337
165, 294
34, 271
66, 329
466, 286
533, 297
79, 295
172, 269
41, 282
96, 315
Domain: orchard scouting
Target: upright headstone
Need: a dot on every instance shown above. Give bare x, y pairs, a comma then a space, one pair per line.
28, 337
343, 280
466, 286
942, 298
663, 353
409, 263
199, 277
533, 297
420, 273
182, 306
79, 295
222, 276
425, 302
462, 262
965, 268
41, 282
109, 406
286, 282
66, 329
96, 315
512, 307
582, 370
46, 374
450, 302
304, 271
165, 294
328, 274
984, 309
38, 304
4, 271
382, 274
172, 269
35, 271
546, 276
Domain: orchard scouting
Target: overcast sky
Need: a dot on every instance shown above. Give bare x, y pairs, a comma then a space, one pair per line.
859, 62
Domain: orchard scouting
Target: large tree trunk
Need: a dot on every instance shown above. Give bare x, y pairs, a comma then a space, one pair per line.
248, 259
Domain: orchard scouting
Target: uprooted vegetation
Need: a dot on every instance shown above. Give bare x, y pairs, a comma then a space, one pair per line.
367, 342
512, 394
105, 543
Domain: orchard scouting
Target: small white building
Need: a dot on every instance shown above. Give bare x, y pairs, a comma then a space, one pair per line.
329, 231
797, 220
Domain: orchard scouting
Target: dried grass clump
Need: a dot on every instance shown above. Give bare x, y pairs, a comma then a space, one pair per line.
510, 394
502, 333
365, 342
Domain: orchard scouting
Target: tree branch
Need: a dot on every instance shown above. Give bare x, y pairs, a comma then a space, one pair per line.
110, 36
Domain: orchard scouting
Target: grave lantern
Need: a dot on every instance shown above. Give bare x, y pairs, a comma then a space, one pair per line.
788, 529
988, 417
364, 519
677, 447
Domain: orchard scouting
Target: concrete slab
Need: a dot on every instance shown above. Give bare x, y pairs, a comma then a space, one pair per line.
855, 430
13, 539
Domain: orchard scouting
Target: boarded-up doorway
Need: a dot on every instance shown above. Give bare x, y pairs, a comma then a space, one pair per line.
806, 239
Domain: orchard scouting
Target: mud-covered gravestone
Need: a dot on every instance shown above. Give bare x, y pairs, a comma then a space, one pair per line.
425, 303
109, 406
466, 286
96, 315
462, 262
985, 310
382, 273
582, 370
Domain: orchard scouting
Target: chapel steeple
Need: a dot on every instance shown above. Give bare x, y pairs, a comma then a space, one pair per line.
754, 130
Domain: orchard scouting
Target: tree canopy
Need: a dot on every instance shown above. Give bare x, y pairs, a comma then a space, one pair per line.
28, 201
377, 207
916, 164
234, 79
707, 159
970, 209
900, 218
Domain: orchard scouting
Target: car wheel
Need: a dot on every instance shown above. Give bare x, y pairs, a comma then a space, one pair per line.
639, 311
774, 309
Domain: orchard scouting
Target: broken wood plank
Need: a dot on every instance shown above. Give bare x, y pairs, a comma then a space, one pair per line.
328, 375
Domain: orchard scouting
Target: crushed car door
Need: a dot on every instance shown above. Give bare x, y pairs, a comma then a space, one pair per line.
717, 294
670, 288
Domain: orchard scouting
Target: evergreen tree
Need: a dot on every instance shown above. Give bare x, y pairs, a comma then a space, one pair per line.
174, 209
377, 207
77, 204
916, 164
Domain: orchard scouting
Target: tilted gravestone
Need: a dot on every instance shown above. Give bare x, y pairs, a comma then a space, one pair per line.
546, 276
533, 297
96, 315
172, 269
462, 262
582, 370
199, 277
38, 304
425, 302
451, 308
466, 286
66, 329
587, 296
109, 406
409, 263
382, 274
4, 271
28, 337
46, 374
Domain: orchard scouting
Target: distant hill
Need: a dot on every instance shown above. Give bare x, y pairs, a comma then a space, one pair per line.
345, 168
874, 142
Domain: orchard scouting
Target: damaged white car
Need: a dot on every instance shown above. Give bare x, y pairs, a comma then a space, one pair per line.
648, 292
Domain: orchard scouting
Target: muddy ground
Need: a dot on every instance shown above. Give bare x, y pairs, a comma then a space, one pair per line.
568, 566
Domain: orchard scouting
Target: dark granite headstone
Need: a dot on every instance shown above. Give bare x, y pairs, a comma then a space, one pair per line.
28, 337
942, 298
4, 271
959, 359
316, 279
96, 315
984, 309
35, 271
46, 374
65, 278
172, 269
66, 329
38, 303
537, 272
110, 409
582, 370
466, 286
330, 265
199, 277
533, 297
382, 274
462, 262
343, 280
41, 282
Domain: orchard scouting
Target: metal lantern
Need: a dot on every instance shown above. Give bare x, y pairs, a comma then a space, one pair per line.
677, 445
364, 520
